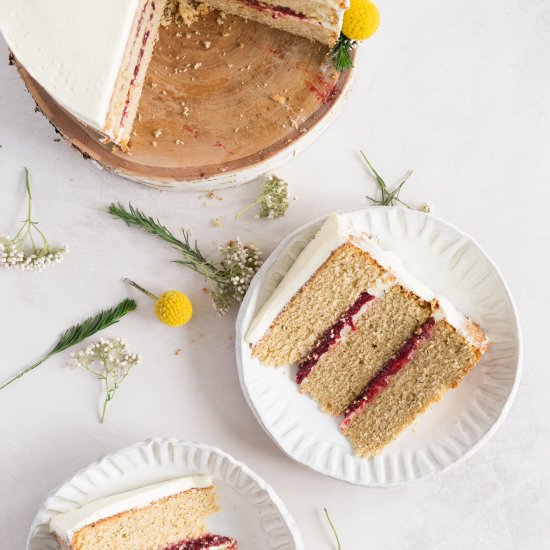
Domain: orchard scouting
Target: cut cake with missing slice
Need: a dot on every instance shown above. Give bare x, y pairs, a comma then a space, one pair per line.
165, 516
371, 340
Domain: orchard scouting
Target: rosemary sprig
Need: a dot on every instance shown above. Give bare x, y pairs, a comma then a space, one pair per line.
192, 256
228, 279
80, 332
389, 198
341, 53
333, 529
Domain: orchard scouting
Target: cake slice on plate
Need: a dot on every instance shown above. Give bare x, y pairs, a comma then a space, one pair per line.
435, 358
336, 274
165, 516
370, 339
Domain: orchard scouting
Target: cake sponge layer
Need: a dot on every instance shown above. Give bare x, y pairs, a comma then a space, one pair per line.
439, 364
158, 525
342, 373
317, 305
323, 25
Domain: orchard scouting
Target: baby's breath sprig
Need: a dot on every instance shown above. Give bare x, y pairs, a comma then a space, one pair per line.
109, 361
273, 200
80, 332
333, 529
389, 198
14, 252
228, 279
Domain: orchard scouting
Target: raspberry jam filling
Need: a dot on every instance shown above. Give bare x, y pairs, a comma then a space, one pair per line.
203, 543
332, 336
275, 11
383, 379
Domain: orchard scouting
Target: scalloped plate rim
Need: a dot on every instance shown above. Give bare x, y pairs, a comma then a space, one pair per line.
257, 281
273, 496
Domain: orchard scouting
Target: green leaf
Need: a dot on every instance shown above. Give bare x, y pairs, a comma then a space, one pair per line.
80, 332
341, 53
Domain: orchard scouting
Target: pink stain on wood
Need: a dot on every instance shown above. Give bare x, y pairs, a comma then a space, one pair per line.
193, 131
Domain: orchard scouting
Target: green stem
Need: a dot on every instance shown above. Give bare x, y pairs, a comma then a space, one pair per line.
246, 209
141, 289
333, 529
107, 397
25, 371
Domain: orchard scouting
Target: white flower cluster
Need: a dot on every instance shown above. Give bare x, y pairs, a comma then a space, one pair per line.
241, 262
111, 354
273, 198
112, 363
13, 255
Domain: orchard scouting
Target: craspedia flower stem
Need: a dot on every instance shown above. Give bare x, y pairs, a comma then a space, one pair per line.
141, 289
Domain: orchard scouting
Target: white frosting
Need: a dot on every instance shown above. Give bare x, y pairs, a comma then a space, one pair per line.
336, 231
72, 48
65, 525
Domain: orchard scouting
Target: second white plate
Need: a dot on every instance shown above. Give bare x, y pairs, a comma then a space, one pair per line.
251, 512
452, 264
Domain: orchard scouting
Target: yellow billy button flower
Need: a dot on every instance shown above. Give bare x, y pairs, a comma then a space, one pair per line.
361, 20
173, 308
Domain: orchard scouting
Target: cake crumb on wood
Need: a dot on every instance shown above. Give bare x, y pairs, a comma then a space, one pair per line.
157, 133
179, 142
207, 44
279, 98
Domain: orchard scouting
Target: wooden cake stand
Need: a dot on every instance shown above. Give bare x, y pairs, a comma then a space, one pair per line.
223, 102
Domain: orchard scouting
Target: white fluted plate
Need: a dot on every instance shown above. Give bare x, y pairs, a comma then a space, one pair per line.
452, 264
251, 511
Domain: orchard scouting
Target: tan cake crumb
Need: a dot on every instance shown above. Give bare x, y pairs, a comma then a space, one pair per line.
154, 143
279, 98
207, 44
178, 351
179, 142
197, 65
157, 133
216, 222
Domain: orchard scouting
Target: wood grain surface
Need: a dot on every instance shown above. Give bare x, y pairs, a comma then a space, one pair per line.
220, 97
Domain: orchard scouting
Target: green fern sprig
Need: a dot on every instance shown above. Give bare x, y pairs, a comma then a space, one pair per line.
341, 53
80, 332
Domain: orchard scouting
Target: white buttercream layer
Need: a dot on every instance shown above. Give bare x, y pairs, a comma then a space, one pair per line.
336, 231
73, 49
65, 525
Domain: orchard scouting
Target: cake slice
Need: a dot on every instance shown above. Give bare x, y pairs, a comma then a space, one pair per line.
336, 374
165, 516
435, 358
91, 56
319, 20
370, 339
335, 270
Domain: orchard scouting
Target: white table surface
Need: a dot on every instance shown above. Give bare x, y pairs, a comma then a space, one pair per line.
457, 91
